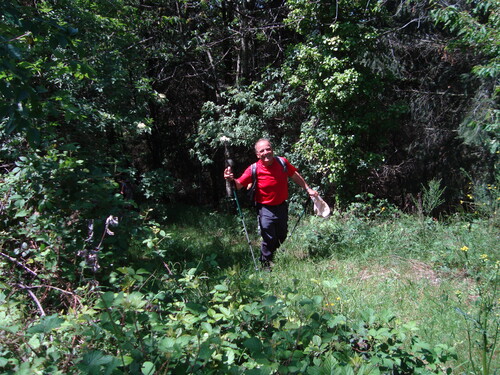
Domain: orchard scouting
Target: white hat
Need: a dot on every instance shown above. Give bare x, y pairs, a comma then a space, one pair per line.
320, 207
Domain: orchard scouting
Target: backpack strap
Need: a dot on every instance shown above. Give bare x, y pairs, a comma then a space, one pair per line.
254, 172
283, 164
251, 191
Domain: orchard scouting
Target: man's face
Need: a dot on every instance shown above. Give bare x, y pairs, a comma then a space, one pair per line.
264, 152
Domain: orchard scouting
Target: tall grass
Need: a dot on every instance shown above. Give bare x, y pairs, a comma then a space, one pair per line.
423, 270
438, 275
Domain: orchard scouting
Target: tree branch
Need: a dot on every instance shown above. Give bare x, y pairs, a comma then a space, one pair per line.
35, 299
15, 261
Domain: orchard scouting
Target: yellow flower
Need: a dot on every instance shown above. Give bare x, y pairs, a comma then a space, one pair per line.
464, 248
338, 298
469, 196
484, 256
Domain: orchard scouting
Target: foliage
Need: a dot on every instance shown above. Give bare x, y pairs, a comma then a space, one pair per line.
475, 26
63, 139
100, 101
267, 108
336, 65
157, 184
481, 199
26, 39
296, 319
430, 198
481, 317
428, 270
232, 327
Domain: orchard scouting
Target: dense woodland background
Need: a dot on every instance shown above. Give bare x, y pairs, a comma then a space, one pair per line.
114, 110
377, 97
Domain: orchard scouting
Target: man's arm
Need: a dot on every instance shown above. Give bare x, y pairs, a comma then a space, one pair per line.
299, 180
228, 175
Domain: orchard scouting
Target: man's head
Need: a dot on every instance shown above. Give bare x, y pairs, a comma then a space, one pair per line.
264, 151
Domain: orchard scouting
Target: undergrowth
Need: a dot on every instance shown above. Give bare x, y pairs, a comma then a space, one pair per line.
369, 290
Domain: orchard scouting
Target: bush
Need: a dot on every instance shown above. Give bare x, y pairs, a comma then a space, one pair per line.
229, 328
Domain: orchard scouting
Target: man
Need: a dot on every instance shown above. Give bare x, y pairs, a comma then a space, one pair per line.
271, 193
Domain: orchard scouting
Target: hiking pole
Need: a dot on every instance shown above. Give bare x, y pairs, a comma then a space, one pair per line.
321, 208
300, 217
245, 229
231, 188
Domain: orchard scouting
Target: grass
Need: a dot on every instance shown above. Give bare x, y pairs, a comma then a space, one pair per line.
414, 267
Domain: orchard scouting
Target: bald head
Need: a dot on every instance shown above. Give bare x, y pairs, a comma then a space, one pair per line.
262, 140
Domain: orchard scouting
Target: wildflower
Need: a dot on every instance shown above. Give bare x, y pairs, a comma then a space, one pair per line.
383, 209
484, 257
141, 125
469, 196
338, 298
464, 249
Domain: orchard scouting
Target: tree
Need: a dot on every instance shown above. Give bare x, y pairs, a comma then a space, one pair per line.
344, 75
474, 27
64, 128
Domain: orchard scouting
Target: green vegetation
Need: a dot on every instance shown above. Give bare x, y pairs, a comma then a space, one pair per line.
119, 252
368, 290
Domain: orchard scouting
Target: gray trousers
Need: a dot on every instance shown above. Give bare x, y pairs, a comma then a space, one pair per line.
273, 222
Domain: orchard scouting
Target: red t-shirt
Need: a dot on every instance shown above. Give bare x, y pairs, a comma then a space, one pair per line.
272, 182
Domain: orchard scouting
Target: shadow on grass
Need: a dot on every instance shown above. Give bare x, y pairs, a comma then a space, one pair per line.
198, 237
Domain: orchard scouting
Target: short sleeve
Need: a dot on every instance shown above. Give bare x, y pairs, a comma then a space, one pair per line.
246, 177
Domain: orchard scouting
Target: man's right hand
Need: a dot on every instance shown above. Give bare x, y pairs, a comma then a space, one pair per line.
228, 174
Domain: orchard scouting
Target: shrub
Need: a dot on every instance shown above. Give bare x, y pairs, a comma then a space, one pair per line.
227, 330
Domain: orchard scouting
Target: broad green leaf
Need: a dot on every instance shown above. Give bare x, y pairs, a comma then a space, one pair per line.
337, 320
221, 288
166, 344
106, 300
47, 324
136, 300
253, 344
96, 362
195, 307
148, 368
269, 301
21, 213
34, 342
